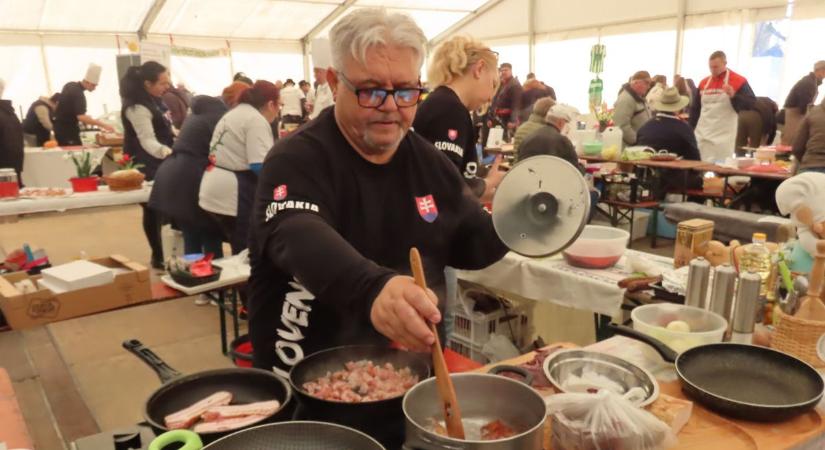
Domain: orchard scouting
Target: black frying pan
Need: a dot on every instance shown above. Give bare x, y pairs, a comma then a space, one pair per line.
180, 391
278, 436
383, 419
742, 381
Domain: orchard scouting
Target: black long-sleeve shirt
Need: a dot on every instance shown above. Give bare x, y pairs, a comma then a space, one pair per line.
668, 132
330, 229
443, 120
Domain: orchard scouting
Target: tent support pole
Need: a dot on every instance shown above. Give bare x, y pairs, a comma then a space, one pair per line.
45, 66
305, 51
531, 30
680, 37
463, 22
151, 15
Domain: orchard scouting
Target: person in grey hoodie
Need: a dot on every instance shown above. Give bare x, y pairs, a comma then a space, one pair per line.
631, 110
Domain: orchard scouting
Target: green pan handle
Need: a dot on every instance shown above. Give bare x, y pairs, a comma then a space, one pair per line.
189, 439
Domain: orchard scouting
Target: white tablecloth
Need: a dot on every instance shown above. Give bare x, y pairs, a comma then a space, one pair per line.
47, 168
103, 197
553, 280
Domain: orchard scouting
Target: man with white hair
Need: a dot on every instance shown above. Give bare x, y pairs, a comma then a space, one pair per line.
550, 139
72, 108
11, 136
341, 201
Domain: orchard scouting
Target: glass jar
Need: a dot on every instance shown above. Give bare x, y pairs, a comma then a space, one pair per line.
9, 186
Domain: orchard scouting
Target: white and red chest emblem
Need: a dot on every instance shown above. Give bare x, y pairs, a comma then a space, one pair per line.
452, 134
279, 193
427, 208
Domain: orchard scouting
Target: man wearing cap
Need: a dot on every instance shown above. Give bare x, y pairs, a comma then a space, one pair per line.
549, 139
802, 95
715, 113
323, 97
534, 122
630, 110
11, 136
668, 132
72, 108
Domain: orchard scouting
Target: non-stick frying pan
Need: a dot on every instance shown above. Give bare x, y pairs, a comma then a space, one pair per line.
742, 381
278, 436
383, 419
180, 391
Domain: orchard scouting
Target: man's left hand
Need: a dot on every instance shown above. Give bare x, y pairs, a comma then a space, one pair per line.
729, 90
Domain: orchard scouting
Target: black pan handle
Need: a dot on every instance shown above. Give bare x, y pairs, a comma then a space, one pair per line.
165, 373
667, 353
528, 377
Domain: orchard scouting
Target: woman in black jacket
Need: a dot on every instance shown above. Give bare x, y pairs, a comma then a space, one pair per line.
147, 134
178, 179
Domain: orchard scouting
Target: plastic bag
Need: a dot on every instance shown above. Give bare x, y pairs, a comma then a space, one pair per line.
606, 421
499, 348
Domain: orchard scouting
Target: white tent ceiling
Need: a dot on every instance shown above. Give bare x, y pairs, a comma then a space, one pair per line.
229, 19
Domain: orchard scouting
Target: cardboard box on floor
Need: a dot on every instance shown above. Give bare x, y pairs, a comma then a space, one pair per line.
43, 306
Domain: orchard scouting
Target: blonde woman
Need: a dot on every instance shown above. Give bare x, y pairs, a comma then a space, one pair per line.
464, 77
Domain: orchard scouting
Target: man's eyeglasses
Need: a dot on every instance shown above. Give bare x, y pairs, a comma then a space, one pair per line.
375, 97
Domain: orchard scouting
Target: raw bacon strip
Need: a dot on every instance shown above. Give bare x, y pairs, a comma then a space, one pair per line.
186, 417
250, 409
226, 424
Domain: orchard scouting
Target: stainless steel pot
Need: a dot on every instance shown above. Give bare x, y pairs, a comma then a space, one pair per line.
482, 398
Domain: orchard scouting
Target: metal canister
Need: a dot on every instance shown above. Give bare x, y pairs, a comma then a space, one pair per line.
747, 302
721, 293
696, 291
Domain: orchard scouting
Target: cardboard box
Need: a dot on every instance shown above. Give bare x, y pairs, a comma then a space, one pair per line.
131, 286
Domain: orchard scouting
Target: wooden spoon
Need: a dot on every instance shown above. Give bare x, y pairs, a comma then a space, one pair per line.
452, 413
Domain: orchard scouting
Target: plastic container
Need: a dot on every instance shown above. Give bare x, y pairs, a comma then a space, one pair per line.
9, 187
478, 328
592, 148
597, 247
757, 259
705, 327
468, 350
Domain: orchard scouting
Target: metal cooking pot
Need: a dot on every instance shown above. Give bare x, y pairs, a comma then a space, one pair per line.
483, 398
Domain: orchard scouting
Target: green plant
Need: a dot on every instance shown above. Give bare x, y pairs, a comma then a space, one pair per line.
127, 163
83, 162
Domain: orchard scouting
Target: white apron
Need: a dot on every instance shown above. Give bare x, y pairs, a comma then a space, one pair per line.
716, 130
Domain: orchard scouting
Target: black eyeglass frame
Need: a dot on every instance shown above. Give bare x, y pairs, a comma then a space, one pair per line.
385, 93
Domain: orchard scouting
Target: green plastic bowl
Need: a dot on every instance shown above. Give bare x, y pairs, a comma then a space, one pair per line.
593, 148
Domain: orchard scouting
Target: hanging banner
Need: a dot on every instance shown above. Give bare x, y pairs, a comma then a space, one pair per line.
160, 53
198, 53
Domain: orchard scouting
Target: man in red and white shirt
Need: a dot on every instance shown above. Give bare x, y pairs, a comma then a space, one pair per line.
715, 115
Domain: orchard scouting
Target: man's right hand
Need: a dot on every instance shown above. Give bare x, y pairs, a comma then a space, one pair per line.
400, 310
107, 127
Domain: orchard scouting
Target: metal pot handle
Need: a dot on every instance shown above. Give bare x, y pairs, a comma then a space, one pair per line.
189, 439
165, 373
528, 377
667, 353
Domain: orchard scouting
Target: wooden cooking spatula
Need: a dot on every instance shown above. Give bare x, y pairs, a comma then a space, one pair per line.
452, 413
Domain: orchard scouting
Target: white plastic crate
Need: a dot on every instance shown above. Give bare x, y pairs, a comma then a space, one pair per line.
513, 322
467, 350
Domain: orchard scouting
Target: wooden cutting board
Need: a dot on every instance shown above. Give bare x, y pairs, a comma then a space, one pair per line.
707, 430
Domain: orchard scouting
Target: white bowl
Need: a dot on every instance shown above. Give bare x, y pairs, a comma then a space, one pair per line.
706, 327
597, 247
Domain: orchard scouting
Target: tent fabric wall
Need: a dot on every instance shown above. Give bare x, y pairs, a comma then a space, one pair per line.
26, 78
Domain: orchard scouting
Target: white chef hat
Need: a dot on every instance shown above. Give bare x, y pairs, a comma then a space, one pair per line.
93, 73
804, 189
562, 111
321, 53
2, 87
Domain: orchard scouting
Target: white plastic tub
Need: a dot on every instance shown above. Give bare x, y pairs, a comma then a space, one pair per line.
597, 247
706, 327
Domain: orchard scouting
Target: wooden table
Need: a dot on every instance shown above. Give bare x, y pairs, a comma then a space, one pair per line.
709, 431
728, 172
